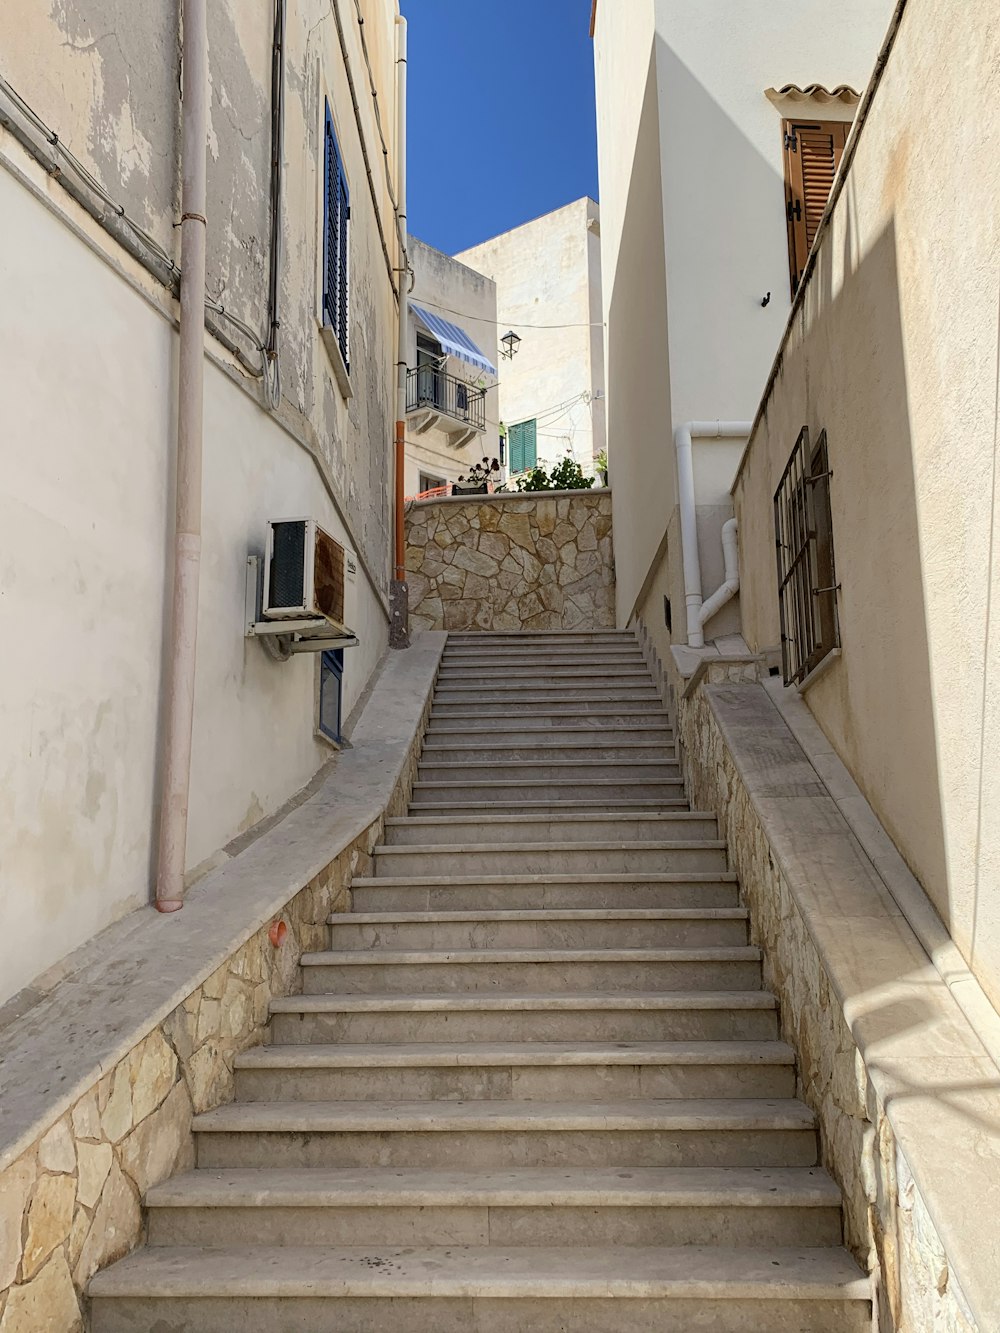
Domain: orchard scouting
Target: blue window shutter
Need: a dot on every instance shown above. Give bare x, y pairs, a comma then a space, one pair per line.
336, 218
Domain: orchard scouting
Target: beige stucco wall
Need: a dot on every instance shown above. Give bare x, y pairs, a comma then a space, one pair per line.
548, 272
88, 343
894, 351
504, 562
693, 237
464, 297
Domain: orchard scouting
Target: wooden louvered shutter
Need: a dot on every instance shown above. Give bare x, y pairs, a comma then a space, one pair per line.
813, 150
523, 441
530, 429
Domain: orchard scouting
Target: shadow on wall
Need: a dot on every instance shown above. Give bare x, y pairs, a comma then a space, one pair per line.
639, 367
878, 699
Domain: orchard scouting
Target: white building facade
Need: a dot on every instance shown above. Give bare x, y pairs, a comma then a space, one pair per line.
452, 403
707, 115
548, 285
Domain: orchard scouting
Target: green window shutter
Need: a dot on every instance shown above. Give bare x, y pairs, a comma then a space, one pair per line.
522, 441
530, 443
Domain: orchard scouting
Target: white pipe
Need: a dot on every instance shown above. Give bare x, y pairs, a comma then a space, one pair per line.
404, 284
683, 437
731, 586
399, 635
176, 783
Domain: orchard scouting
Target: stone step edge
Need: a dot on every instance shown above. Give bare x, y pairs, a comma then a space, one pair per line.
466, 1272
617, 878
642, 816
555, 783
517, 1055
635, 806
684, 1114
415, 1187
461, 848
522, 1002
559, 957
540, 914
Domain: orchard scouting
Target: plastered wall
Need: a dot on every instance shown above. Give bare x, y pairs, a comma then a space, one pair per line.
894, 352
548, 273
464, 297
88, 343
693, 229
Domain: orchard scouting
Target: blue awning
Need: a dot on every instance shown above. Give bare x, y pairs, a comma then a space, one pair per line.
453, 340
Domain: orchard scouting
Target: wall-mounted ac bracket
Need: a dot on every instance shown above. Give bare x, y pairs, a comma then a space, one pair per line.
282, 639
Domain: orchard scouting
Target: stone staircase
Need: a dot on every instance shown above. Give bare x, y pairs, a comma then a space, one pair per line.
535, 1083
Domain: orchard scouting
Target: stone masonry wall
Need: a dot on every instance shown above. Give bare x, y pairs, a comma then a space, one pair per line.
71, 1203
504, 562
886, 1224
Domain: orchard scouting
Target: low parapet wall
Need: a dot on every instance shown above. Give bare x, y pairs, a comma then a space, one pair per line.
510, 562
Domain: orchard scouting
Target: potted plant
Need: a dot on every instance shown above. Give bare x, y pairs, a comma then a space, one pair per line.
601, 465
478, 480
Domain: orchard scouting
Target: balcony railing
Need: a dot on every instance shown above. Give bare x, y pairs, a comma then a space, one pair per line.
428, 389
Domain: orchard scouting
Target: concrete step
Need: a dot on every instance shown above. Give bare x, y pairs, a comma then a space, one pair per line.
360, 972
607, 750
548, 807
626, 827
538, 858
491, 665
509, 1016
502, 677
584, 713
756, 1208
616, 928
454, 1289
519, 1071
593, 768
451, 893
619, 792
518, 694
483, 1135
535, 638
522, 731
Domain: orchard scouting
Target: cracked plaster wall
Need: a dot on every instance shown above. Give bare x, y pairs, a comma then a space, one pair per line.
87, 508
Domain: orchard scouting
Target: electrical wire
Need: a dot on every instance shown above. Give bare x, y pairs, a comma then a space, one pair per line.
465, 314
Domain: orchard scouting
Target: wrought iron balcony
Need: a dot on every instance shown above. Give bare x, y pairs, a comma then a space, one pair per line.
431, 390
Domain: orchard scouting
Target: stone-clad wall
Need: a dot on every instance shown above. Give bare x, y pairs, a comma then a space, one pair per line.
71, 1203
504, 562
886, 1223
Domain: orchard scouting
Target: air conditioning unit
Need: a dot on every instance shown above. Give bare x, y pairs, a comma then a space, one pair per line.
307, 575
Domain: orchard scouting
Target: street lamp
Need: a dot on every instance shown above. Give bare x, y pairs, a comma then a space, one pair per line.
510, 341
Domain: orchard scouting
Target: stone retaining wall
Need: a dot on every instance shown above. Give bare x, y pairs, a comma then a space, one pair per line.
886, 1223
505, 562
71, 1203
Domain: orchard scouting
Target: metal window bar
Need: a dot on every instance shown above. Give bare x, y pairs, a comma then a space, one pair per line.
428, 387
803, 535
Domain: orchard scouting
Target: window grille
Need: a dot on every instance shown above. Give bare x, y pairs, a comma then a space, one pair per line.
807, 583
336, 250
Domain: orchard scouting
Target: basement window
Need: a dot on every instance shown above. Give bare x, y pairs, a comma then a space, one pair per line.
807, 581
331, 693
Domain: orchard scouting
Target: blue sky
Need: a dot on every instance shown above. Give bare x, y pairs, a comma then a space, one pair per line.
501, 115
